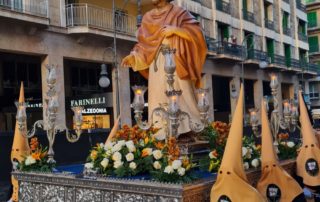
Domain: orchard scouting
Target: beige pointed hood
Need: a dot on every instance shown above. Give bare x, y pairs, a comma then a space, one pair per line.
231, 183
274, 180
20, 148
308, 159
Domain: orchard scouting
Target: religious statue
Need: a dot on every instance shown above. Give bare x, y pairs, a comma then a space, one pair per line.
173, 26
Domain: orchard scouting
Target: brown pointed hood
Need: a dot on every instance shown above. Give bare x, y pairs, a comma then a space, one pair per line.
308, 159
274, 181
231, 183
20, 147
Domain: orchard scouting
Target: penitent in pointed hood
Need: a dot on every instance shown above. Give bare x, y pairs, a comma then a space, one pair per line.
232, 184
274, 181
20, 147
309, 156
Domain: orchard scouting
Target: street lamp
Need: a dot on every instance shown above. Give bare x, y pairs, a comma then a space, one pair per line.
104, 81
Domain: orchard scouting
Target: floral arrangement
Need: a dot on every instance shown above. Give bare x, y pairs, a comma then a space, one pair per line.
217, 134
286, 148
37, 159
134, 151
250, 153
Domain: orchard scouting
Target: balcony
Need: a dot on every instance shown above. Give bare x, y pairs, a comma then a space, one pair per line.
257, 55
223, 6
86, 18
230, 50
312, 68
287, 31
210, 45
248, 16
32, 10
300, 6
303, 37
296, 64
269, 24
278, 60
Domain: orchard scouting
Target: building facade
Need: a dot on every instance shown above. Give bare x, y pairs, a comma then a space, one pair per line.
77, 36
313, 12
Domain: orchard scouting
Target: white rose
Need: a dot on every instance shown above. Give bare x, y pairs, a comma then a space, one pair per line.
117, 147
122, 142
157, 165
176, 164
104, 163
290, 144
116, 156
101, 145
255, 163
117, 164
212, 156
130, 146
108, 145
133, 165
244, 151
157, 154
130, 157
88, 165
168, 169
181, 171
30, 160
246, 165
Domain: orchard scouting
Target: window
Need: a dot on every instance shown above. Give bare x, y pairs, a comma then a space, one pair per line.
313, 89
302, 27
287, 54
312, 19
223, 32
285, 20
313, 44
270, 49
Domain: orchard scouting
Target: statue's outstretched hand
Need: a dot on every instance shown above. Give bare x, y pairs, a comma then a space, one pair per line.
128, 61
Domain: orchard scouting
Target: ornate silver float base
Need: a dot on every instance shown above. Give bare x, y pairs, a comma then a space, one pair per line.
36, 187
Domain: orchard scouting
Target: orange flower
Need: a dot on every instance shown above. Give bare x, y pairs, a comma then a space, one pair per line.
159, 145
94, 154
185, 162
215, 153
146, 152
36, 155
146, 140
34, 144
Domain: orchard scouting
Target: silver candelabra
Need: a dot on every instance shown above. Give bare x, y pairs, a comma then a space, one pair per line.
50, 122
289, 120
170, 113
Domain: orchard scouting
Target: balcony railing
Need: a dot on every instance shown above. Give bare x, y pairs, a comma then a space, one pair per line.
269, 24
101, 18
257, 55
302, 37
300, 5
223, 6
313, 67
229, 49
295, 64
287, 31
248, 16
211, 44
32, 7
279, 60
